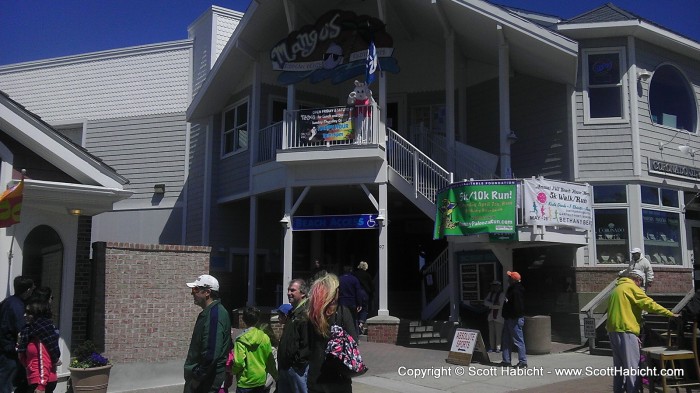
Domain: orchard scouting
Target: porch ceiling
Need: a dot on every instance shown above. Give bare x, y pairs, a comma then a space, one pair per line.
533, 50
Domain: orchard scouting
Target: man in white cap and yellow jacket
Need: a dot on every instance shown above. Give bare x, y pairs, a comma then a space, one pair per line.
625, 306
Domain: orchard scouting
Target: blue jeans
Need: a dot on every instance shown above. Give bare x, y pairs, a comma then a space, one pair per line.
513, 334
292, 380
9, 366
258, 389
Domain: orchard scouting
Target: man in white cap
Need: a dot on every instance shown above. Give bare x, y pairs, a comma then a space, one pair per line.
625, 306
205, 366
638, 262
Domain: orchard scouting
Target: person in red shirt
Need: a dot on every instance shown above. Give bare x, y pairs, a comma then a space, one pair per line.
38, 348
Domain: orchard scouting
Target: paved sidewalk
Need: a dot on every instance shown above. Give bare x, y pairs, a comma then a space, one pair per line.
393, 369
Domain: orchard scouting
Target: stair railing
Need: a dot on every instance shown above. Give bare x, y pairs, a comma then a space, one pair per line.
588, 311
438, 274
426, 176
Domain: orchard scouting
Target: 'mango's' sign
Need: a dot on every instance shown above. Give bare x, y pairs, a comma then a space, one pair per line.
334, 48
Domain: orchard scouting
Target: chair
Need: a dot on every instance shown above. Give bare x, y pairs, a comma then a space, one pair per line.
672, 356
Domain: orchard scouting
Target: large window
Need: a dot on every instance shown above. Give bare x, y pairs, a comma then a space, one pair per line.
661, 237
612, 236
235, 129
604, 95
671, 100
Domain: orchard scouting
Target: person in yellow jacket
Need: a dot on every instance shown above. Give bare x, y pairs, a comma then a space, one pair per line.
625, 306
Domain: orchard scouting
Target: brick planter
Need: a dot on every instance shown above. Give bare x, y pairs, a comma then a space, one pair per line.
383, 329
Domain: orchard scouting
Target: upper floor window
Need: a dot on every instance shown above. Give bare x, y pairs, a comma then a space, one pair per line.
610, 194
671, 101
235, 129
604, 94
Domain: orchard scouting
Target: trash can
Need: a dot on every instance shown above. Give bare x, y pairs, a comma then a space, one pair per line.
538, 334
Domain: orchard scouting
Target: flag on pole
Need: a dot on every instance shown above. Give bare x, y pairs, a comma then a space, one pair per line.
372, 63
11, 205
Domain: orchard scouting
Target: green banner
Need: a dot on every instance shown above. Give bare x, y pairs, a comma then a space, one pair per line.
475, 207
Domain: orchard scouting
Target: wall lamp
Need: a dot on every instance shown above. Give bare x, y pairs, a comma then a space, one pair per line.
75, 212
159, 189
512, 138
685, 149
285, 221
643, 75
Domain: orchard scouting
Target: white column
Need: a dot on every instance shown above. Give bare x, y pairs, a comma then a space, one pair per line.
383, 252
287, 259
450, 99
455, 282
504, 103
252, 246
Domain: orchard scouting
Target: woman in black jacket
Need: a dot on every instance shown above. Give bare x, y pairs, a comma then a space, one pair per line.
324, 312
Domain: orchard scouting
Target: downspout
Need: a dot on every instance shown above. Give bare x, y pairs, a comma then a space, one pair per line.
504, 103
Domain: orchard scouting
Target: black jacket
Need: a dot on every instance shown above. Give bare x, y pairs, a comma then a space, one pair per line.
514, 304
322, 378
293, 350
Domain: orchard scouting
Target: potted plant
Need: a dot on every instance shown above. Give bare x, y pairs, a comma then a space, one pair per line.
89, 370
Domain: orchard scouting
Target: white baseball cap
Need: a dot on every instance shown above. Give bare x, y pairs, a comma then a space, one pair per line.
205, 281
636, 250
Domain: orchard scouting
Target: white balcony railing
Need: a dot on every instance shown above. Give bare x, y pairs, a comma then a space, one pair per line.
333, 126
269, 140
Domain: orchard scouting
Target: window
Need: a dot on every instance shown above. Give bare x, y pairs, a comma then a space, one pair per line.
612, 244
235, 129
671, 100
610, 194
650, 196
661, 237
604, 94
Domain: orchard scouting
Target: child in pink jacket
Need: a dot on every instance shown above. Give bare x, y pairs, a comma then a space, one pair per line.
38, 348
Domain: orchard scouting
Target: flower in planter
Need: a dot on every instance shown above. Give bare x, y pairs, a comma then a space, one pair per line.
86, 356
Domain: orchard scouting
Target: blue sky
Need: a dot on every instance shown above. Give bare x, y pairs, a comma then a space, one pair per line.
42, 29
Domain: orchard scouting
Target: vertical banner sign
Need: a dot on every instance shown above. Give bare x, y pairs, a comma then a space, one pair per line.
11, 205
475, 207
554, 203
326, 124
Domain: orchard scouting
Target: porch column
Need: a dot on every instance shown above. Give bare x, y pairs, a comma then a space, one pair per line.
383, 252
505, 257
450, 99
504, 104
455, 282
252, 246
287, 227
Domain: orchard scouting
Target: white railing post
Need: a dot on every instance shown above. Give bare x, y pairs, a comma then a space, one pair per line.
285, 130
415, 172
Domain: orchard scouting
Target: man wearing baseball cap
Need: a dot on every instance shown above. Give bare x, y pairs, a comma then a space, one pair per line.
638, 262
625, 306
513, 320
205, 366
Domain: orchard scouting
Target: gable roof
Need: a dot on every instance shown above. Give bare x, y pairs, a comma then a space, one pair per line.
609, 20
31, 131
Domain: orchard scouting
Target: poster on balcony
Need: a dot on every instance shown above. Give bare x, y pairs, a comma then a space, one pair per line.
475, 207
326, 124
555, 203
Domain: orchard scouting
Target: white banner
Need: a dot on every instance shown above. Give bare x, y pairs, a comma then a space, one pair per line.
553, 203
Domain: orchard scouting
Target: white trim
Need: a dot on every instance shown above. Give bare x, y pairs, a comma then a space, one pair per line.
693, 96
223, 154
624, 105
634, 106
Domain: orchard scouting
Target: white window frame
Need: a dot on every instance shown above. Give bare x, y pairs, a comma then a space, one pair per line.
622, 84
235, 129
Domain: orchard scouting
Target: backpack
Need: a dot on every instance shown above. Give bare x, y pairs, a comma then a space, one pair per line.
343, 349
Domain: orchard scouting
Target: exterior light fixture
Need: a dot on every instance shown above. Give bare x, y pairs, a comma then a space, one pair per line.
159, 189
285, 221
685, 149
643, 75
75, 212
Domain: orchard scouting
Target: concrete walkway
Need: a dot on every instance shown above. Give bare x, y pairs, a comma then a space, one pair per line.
395, 368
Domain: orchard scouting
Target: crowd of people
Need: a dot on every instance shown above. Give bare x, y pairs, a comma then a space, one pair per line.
29, 350
297, 361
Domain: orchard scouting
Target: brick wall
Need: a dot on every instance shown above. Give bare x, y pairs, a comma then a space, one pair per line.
666, 279
148, 310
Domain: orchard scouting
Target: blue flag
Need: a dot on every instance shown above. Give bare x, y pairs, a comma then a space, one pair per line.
372, 63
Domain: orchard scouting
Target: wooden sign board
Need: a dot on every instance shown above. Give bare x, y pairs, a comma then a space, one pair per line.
464, 343
589, 327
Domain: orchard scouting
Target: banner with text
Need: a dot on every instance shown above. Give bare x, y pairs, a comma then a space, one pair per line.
326, 124
549, 202
475, 207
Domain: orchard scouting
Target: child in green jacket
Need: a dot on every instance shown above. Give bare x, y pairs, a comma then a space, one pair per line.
253, 358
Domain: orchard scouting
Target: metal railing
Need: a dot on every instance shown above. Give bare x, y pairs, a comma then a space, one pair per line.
434, 145
269, 140
332, 126
426, 176
438, 271
589, 311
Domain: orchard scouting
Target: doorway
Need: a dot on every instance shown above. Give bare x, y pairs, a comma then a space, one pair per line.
43, 263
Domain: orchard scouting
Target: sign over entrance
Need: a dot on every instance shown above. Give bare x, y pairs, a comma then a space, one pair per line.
470, 208
334, 223
334, 48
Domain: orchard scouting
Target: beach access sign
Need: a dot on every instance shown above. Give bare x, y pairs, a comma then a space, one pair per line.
475, 207
556, 203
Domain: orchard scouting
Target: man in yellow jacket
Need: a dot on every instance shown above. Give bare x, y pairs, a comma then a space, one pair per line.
625, 307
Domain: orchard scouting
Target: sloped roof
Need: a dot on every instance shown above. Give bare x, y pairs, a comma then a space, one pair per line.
37, 135
605, 13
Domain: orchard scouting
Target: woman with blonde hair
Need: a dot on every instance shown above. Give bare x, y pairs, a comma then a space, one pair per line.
324, 312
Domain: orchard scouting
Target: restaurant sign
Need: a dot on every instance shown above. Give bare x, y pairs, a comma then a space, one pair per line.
675, 170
